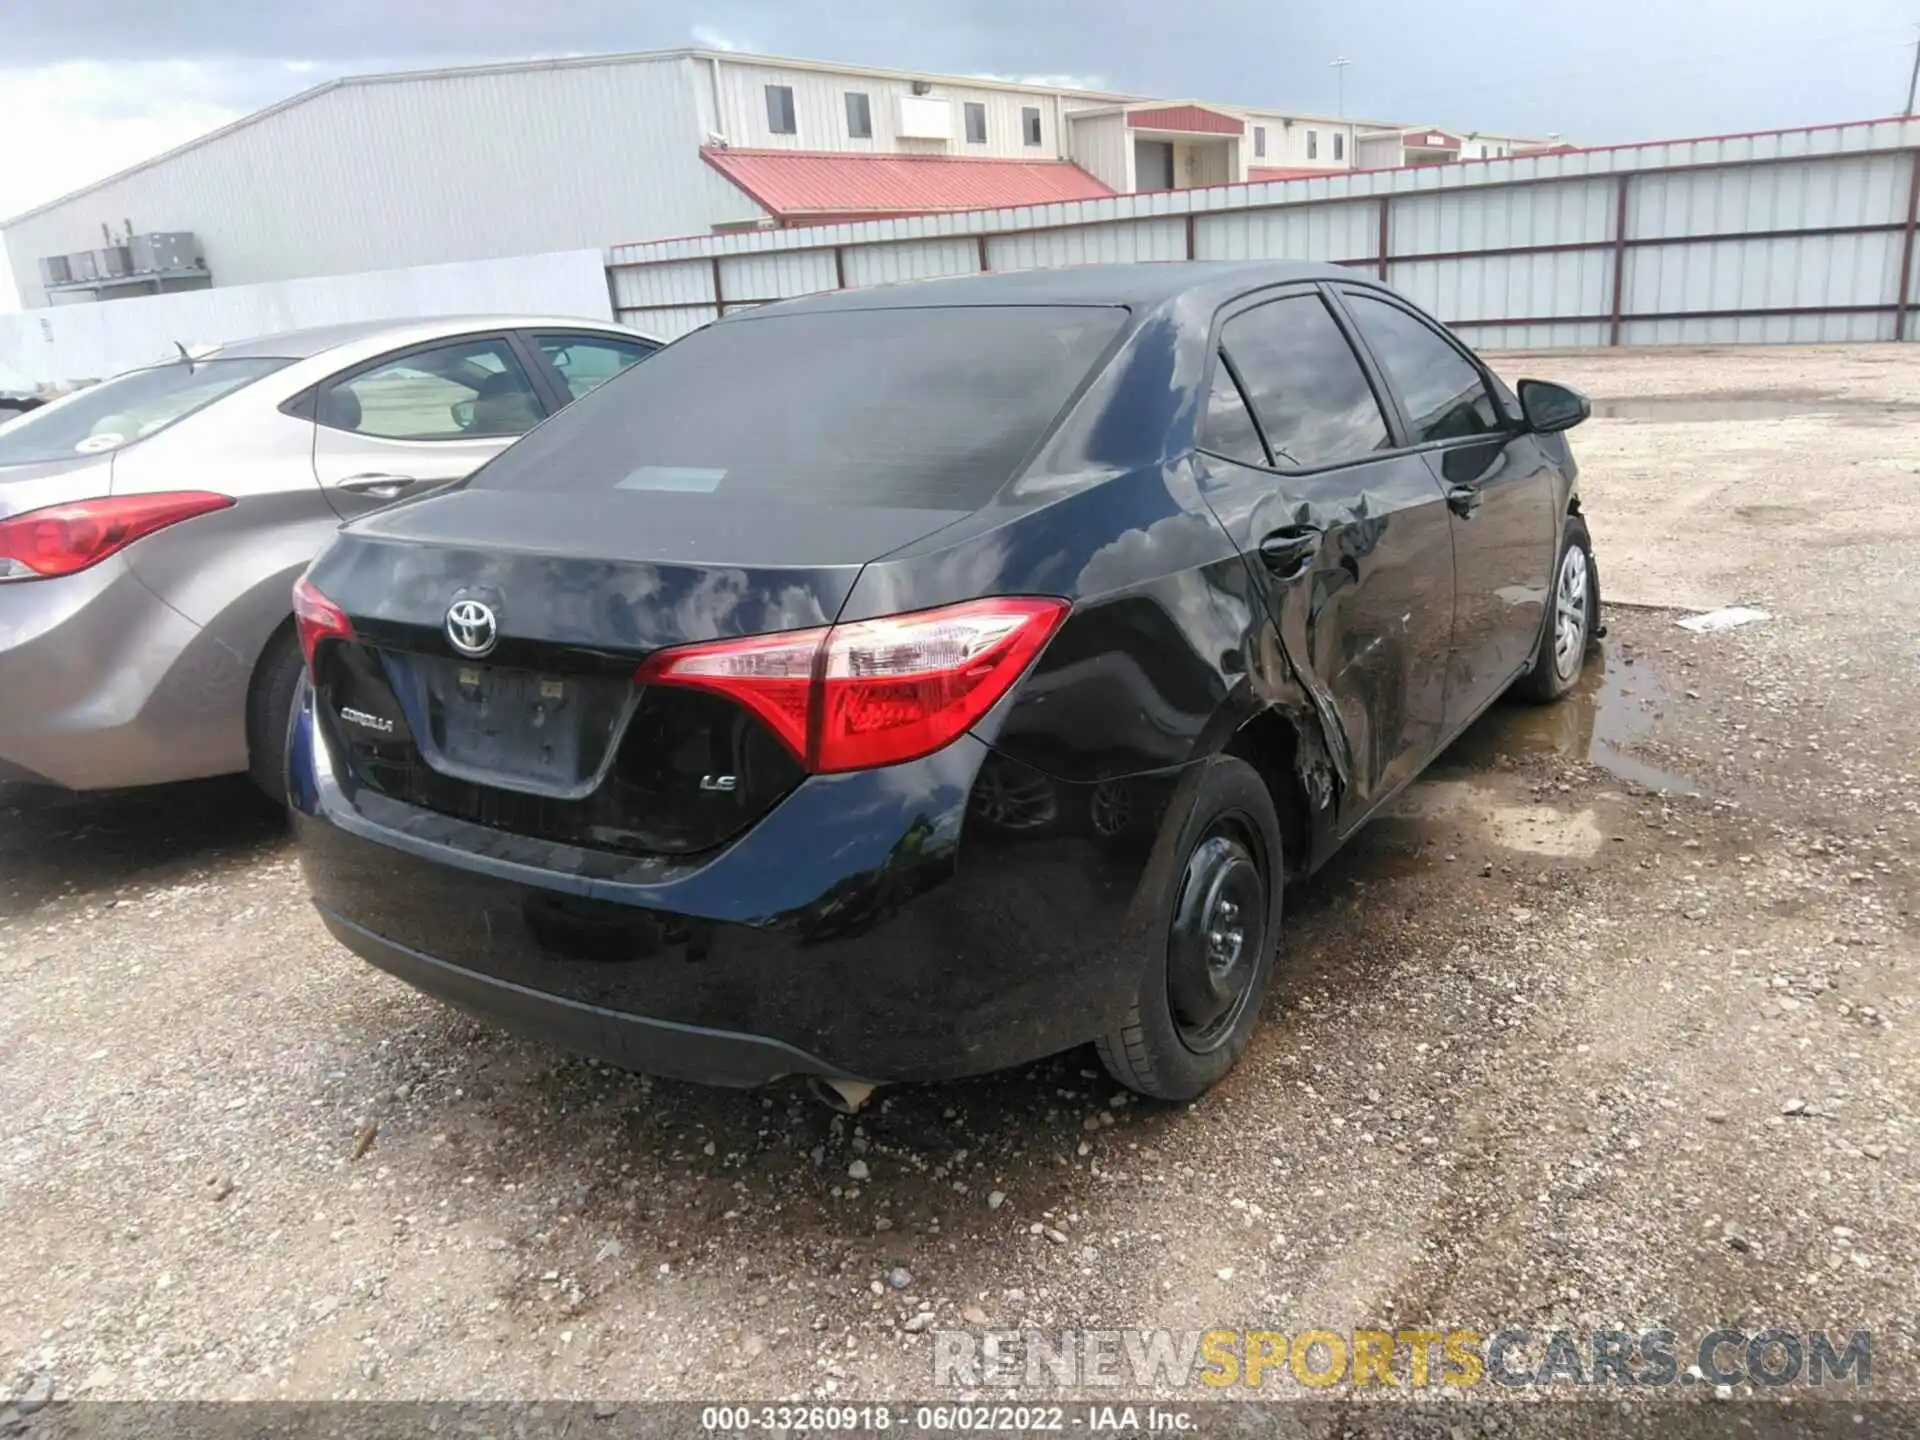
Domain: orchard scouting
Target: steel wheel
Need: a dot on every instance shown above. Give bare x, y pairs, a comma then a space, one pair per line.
1015, 800
1218, 934
1570, 613
1111, 808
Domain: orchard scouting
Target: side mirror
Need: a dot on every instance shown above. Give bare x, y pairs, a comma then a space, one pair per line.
462, 411
1550, 408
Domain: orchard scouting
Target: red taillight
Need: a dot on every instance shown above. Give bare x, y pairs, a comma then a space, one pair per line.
61, 539
316, 618
772, 675
874, 692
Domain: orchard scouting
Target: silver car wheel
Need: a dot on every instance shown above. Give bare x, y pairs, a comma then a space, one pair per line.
1570, 613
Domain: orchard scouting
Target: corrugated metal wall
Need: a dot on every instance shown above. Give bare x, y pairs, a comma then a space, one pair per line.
420, 170
1788, 236
1102, 146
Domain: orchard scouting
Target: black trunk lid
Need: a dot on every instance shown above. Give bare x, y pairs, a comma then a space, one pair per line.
546, 733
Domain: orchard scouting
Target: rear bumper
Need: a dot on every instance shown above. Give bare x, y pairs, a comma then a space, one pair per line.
883, 925
103, 684
634, 1042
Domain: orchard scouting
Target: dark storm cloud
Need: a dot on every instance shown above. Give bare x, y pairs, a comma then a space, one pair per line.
1624, 69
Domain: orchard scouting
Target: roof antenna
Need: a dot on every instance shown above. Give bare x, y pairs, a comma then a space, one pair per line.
185, 354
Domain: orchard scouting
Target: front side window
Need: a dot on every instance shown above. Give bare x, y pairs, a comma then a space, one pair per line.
918, 408
126, 408
1030, 124
859, 116
1230, 430
780, 109
1445, 396
468, 390
586, 362
1305, 383
976, 123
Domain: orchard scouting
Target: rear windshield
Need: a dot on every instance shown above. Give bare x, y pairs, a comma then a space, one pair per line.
916, 409
121, 410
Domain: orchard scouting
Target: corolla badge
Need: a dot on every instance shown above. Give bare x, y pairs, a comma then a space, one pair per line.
472, 628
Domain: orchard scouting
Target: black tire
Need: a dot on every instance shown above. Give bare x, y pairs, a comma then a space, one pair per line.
1160, 1048
270, 712
1549, 679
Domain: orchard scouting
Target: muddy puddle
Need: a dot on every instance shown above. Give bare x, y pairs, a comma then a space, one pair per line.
1614, 705
1457, 814
1735, 405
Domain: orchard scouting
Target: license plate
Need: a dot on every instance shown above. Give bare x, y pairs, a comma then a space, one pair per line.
546, 732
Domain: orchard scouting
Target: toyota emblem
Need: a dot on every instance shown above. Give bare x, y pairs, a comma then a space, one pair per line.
472, 628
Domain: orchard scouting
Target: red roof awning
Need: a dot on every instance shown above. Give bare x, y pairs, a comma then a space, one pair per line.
1194, 119
805, 185
1258, 174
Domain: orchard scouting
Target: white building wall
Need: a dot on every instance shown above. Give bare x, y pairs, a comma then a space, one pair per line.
820, 113
419, 170
90, 342
1102, 146
1206, 162
1377, 152
1287, 140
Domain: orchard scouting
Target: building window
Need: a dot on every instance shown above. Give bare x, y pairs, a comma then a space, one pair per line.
1339, 146
976, 123
1313, 144
780, 109
1029, 124
1259, 142
859, 116
1485, 150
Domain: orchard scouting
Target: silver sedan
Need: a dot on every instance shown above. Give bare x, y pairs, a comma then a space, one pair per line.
151, 527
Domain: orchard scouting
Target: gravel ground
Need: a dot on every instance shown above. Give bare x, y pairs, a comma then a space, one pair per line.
1606, 1027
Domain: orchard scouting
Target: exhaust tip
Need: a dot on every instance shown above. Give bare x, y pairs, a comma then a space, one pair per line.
843, 1097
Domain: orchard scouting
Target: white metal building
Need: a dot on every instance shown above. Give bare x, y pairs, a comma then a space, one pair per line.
378, 172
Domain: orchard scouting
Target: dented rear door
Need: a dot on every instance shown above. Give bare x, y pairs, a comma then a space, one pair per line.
1346, 538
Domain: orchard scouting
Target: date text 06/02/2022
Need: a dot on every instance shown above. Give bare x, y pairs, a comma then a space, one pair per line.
943, 1419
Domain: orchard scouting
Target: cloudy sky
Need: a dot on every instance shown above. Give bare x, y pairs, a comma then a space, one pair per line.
88, 87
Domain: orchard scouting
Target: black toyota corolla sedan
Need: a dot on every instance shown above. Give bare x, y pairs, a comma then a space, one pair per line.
905, 683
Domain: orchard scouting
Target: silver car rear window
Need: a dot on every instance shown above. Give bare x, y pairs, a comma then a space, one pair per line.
127, 408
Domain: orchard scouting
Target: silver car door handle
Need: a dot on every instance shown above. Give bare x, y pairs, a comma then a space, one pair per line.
381, 487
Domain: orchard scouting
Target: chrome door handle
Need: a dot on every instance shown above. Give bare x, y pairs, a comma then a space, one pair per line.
381, 487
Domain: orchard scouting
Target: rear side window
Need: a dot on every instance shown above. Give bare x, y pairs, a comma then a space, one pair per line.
1305, 383
1230, 430
126, 408
468, 390
915, 408
586, 362
1445, 396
